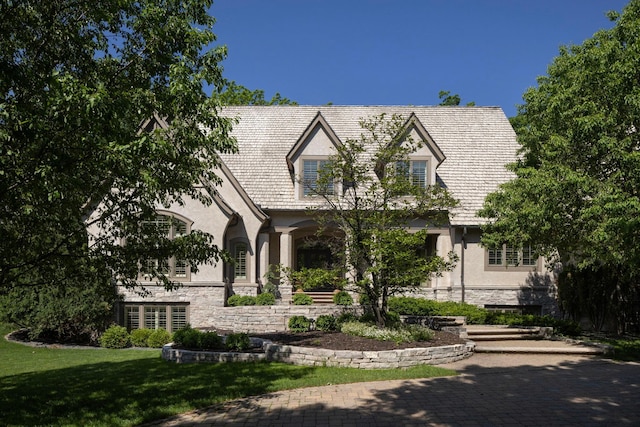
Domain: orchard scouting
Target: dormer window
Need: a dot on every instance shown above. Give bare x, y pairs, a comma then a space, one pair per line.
413, 170
315, 178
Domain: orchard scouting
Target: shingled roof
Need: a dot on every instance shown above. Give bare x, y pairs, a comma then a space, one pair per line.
476, 141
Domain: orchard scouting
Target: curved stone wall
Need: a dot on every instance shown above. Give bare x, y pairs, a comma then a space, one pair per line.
307, 356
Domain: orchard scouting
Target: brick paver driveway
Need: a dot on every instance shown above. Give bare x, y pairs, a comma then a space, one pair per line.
491, 390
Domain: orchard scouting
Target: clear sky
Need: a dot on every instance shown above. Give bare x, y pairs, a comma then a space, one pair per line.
400, 52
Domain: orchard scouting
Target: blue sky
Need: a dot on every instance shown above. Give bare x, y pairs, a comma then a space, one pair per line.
400, 52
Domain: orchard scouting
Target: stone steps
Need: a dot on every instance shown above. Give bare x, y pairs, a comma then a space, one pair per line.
321, 297
533, 340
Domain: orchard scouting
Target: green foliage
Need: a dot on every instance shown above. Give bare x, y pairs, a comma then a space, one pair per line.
158, 338
424, 307
342, 298
238, 300
235, 94
326, 323
379, 203
309, 279
238, 342
265, 299
299, 324
79, 82
272, 280
601, 294
129, 387
194, 339
346, 317
575, 196
398, 335
392, 319
74, 304
139, 337
301, 299
115, 337
447, 99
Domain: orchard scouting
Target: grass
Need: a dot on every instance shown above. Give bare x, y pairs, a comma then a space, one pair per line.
624, 349
101, 387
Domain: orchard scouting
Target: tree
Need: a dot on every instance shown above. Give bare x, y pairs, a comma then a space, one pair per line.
447, 99
79, 78
235, 94
576, 195
379, 201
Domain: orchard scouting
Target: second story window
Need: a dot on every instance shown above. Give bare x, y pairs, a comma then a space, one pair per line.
511, 256
413, 170
173, 267
314, 178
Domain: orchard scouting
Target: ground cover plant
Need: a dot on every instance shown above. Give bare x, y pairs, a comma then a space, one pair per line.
104, 387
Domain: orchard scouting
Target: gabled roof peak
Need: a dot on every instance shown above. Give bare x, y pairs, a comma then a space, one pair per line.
318, 122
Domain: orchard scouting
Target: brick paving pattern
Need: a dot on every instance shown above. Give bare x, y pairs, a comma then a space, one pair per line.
491, 390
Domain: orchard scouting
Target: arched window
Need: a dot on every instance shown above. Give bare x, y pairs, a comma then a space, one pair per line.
240, 261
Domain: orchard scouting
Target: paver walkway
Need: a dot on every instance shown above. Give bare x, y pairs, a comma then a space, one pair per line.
491, 390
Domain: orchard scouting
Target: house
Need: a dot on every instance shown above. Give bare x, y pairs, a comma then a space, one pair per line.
259, 212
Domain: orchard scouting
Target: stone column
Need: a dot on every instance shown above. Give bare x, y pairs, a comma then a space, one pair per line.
262, 261
286, 260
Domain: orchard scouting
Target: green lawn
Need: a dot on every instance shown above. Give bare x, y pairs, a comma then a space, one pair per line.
100, 387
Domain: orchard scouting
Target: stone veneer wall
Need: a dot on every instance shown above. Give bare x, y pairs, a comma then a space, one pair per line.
272, 318
203, 298
322, 357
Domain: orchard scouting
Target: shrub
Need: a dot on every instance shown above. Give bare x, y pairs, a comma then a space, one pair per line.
302, 299
317, 278
210, 341
424, 307
239, 300
392, 319
346, 317
158, 338
115, 337
139, 337
238, 342
343, 298
299, 324
187, 338
265, 299
419, 333
326, 323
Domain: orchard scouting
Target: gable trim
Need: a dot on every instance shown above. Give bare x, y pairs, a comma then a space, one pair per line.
414, 122
317, 122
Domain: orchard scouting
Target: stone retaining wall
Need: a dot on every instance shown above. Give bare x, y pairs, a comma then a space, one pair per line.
264, 319
306, 356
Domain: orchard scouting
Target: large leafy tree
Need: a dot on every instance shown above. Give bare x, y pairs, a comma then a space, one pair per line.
369, 194
78, 79
235, 94
576, 195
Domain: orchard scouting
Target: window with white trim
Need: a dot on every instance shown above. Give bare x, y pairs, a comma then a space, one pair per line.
156, 316
312, 174
240, 261
413, 170
511, 256
173, 267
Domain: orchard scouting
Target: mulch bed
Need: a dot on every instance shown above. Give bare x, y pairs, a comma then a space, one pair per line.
316, 339
340, 341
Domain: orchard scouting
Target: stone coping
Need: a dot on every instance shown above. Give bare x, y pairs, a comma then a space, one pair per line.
307, 356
